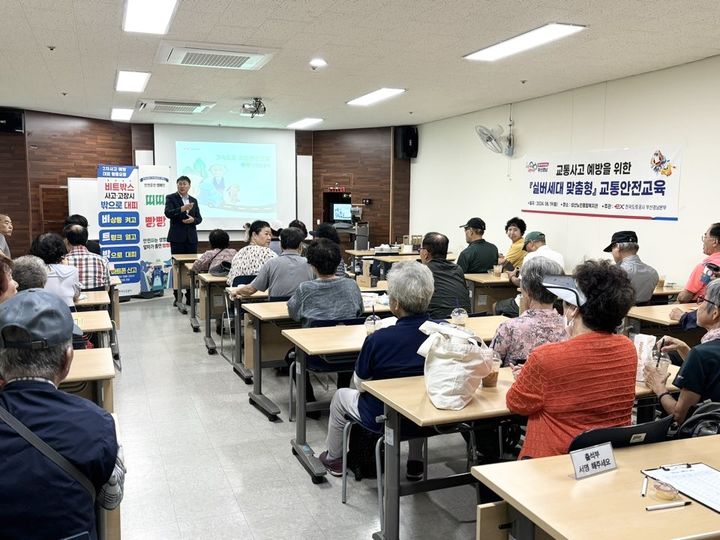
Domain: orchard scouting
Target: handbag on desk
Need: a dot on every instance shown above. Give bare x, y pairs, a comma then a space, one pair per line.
454, 365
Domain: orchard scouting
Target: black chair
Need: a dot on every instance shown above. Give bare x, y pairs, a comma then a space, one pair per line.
278, 298
229, 314
647, 433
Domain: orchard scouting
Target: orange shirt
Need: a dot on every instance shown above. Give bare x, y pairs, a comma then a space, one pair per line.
566, 388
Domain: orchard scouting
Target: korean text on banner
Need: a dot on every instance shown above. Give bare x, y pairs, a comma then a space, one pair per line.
119, 221
634, 183
156, 263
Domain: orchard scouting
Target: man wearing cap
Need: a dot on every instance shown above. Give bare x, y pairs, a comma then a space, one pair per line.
41, 498
704, 271
624, 247
479, 256
535, 247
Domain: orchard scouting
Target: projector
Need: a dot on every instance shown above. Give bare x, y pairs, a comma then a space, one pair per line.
255, 108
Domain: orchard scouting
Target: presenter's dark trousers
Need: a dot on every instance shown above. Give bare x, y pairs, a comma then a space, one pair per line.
178, 248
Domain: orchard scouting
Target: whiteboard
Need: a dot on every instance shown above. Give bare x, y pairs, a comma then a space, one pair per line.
83, 200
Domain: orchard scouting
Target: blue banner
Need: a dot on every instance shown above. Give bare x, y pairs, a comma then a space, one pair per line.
119, 237
119, 219
128, 273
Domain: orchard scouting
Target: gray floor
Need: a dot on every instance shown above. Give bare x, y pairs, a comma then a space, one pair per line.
204, 464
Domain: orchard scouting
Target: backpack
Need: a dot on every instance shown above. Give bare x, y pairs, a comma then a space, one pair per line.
704, 421
361, 452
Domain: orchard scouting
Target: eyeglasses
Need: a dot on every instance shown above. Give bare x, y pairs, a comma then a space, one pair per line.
701, 299
705, 236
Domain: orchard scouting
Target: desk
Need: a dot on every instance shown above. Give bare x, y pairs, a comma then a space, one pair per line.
408, 398
608, 505
667, 290
208, 282
93, 366
275, 313
115, 300
180, 276
93, 299
403, 257
486, 289
95, 321
658, 314
192, 277
336, 340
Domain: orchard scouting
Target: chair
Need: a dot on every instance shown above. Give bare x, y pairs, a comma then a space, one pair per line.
318, 364
647, 433
237, 280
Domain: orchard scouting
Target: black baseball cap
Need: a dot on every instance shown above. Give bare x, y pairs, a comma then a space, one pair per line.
475, 223
43, 318
621, 237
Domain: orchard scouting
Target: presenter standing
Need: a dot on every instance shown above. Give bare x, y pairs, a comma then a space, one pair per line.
184, 214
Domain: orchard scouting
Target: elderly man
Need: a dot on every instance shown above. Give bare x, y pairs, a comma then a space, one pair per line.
93, 271
29, 272
479, 256
704, 271
624, 247
6, 229
450, 288
386, 354
50, 492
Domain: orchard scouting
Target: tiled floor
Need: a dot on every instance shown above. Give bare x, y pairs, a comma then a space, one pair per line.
204, 464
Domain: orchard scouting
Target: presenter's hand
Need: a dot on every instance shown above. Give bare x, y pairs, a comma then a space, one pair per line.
189, 220
187, 207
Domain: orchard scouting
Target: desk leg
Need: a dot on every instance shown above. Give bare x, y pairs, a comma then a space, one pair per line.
209, 342
238, 360
391, 497
300, 448
178, 287
262, 402
193, 310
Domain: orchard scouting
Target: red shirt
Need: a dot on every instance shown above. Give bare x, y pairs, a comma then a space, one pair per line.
566, 388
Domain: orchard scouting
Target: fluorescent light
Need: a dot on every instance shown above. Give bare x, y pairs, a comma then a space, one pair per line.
304, 123
121, 114
131, 81
148, 16
377, 95
523, 42
317, 63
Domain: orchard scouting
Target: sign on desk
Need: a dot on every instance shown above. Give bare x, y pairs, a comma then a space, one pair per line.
593, 460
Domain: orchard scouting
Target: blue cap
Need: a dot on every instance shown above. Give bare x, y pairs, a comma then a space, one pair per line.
42, 320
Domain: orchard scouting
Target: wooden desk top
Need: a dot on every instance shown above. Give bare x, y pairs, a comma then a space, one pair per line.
360, 252
405, 257
186, 257
91, 365
489, 279
409, 397
93, 321
188, 266
209, 278
278, 311
380, 287
667, 290
658, 314
115, 281
608, 505
93, 298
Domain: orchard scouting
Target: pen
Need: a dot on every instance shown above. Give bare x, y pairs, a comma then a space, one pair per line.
667, 505
643, 491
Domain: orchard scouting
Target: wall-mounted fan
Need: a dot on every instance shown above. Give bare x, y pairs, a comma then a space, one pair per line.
494, 140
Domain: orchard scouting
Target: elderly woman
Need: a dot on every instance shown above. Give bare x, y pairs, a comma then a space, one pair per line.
8, 286
699, 376
514, 229
387, 353
29, 272
219, 252
62, 279
249, 259
539, 323
587, 381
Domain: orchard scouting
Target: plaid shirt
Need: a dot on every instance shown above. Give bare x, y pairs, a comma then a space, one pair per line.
92, 269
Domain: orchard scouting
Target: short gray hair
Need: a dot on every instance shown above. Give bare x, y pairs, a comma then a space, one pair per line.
532, 274
633, 247
44, 363
411, 285
29, 272
712, 294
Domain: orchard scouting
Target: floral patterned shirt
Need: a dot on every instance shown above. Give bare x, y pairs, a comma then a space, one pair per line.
248, 260
515, 339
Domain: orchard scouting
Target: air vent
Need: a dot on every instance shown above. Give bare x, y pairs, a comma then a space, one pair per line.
175, 107
210, 55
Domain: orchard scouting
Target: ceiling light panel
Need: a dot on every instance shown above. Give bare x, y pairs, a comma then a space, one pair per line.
121, 114
305, 123
523, 42
377, 95
148, 16
131, 81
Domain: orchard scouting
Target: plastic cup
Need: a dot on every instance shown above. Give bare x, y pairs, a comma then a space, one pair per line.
371, 324
459, 316
497, 270
490, 380
661, 282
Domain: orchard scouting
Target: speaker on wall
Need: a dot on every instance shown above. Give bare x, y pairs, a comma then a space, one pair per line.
406, 142
11, 121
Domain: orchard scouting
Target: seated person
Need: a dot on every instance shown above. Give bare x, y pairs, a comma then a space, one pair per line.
539, 323
699, 376
327, 297
588, 381
218, 253
514, 229
387, 353
29, 272
8, 286
93, 271
703, 272
282, 275
62, 278
93, 246
326, 230
480, 255
35, 357
450, 288
644, 278
248, 260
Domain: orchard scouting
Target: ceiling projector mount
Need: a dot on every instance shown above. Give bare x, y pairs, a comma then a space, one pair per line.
254, 108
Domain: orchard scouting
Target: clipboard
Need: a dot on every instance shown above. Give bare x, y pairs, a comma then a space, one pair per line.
698, 481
